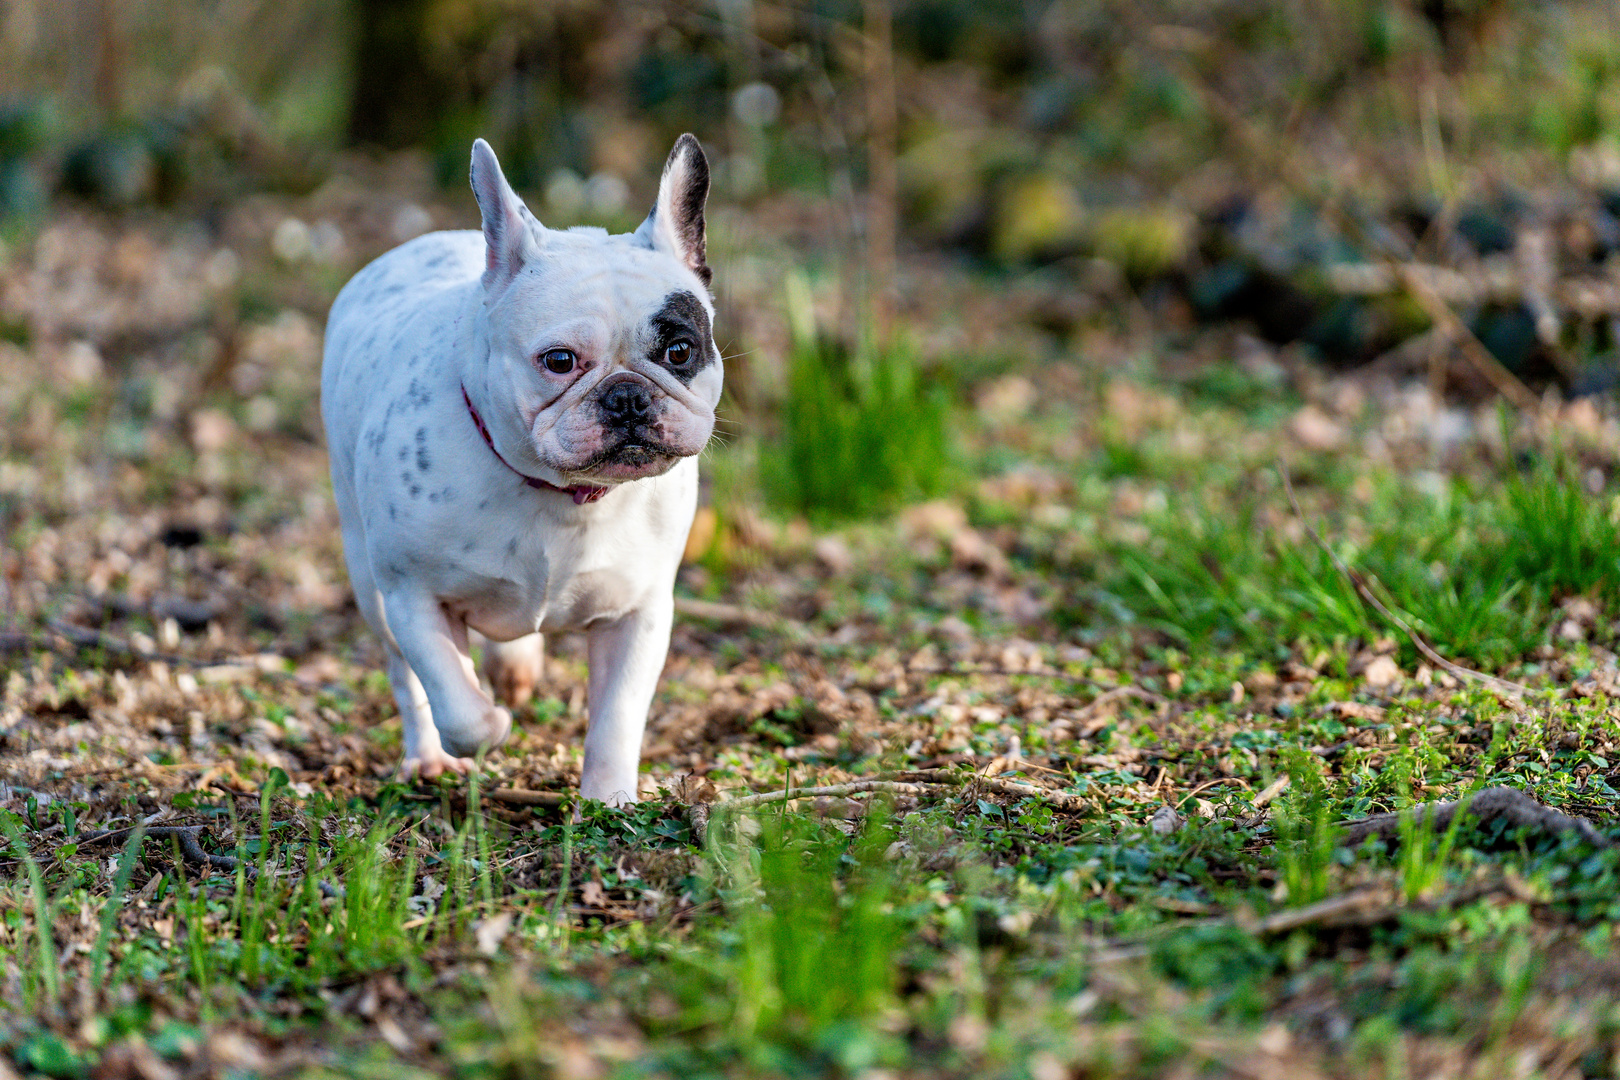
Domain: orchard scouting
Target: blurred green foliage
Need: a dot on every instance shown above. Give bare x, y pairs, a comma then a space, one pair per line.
1109, 100
861, 430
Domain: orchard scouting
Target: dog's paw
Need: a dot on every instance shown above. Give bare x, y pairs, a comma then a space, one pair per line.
515, 668
487, 733
514, 682
430, 765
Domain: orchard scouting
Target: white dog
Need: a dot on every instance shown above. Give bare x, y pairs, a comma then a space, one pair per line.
513, 419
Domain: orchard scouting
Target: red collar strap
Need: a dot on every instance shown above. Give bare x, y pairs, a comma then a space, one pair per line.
581, 493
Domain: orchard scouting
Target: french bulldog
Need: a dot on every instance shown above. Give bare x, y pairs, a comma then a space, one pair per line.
514, 418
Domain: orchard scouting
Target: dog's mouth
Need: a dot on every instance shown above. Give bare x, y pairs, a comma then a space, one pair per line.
631, 459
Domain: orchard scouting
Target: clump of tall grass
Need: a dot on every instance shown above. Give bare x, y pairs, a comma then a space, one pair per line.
1478, 571
298, 911
861, 431
809, 960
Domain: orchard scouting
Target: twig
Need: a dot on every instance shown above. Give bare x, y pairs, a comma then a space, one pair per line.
1360, 907
520, 797
192, 851
1207, 784
917, 783
1351, 907
86, 638
1507, 384
1503, 686
1104, 696
697, 819
736, 615
1059, 800
1119, 693
748, 802
510, 796
1511, 804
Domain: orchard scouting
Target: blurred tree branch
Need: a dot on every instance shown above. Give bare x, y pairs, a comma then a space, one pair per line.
882, 176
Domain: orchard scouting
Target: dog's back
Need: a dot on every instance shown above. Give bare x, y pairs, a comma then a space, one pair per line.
381, 296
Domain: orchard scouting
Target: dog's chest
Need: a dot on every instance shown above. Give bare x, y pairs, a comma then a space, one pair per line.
548, 576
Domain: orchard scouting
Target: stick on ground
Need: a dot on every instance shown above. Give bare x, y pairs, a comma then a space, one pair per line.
193, 852
190, 850
1513, 805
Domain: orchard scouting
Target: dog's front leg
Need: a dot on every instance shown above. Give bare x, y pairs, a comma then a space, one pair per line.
435, 647
626, 657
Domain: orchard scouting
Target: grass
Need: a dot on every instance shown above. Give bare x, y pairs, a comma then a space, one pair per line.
948, 938
976, 936
862, 430
1477, 569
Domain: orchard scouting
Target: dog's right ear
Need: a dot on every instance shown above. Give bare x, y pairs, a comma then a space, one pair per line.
676, 224
508, 241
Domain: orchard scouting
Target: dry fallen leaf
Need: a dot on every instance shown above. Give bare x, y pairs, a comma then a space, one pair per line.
1382, 672
492, 931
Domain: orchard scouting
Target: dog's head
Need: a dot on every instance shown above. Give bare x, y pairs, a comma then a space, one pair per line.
603, 343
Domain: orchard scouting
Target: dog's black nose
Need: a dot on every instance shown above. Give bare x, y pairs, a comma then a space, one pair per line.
627, 400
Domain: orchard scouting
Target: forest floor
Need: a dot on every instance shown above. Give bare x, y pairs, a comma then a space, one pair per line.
1114, 691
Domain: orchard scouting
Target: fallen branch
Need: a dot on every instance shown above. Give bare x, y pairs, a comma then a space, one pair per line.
944, 778
920, 783
1207, 784
1510, 804
1104, 696
460, 796
190, 850
520, 797
857, 787
232, 668
1364, 590
1441, 314
1360, 907
1399, 263
737, 615
85, 637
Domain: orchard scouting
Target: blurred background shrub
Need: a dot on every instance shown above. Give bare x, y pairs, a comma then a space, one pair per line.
861, 429
1171, 162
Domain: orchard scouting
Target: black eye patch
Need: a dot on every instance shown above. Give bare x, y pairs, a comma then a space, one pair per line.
681, 318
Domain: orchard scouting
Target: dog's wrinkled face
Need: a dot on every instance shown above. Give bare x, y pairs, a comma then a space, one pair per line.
603, 343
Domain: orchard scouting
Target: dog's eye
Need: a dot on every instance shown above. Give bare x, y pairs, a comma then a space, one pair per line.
558, 361
679, 353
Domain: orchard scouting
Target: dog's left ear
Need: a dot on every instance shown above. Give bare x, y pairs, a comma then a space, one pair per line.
508, 241
675, 224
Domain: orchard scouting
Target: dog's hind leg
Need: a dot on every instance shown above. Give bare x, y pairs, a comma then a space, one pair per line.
515, 668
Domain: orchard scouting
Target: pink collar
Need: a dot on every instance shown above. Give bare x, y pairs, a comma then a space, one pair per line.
581, 493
